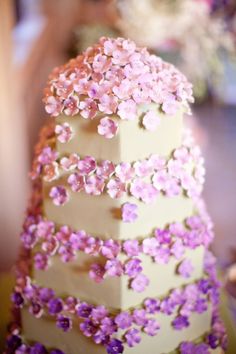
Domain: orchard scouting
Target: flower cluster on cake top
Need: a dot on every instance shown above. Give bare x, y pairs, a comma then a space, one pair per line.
115, 77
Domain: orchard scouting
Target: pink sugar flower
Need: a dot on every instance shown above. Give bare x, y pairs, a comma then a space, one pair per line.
172, 187
139, 283
59, 195
124, 171
133, 267
76, 182
110, 249
109, 46
140, 96
170, 107
94, 185
47, 156
88, 108
149, 194
97, 272
152, 327
143, 168
185, 268
150, 246
157, 162
124, 90
63, 86
41, 261
114, 268
108, 104
53, 106
51, 172
162, 255
69, 163
140, 317
50, 246
71, 106
137, 188
94, 90
127, 110
175, 168
131, 247
120, 57
129, 212
160, 180
64, 132
151, 120
177, 249
105, 169
107, 127
101, 63
182, 155
116, 188
87, 165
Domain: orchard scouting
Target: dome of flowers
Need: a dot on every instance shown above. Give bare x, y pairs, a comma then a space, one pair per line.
115, 77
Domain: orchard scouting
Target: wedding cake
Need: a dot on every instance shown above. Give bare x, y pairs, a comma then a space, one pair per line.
115, 242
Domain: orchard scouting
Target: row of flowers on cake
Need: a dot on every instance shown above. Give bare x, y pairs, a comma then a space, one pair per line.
103, 326
144, 180
115, 78
16, 345
172, 241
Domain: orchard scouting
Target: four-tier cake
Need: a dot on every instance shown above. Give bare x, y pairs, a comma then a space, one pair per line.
115, 242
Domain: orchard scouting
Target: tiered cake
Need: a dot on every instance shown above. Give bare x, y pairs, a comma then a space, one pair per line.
115, 241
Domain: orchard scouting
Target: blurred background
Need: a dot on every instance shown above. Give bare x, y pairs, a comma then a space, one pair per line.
199, 36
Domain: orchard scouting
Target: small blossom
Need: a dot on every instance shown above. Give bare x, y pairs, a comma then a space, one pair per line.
116, 188
86, 165
127, 110
107, 127
69, 163
38, 349
114, 268
180, 322
170, 107
17, 299
124, 171
83, 310
115, 346
88, 108
110, 249
64, 132
101, 63
53, 106
143, 168
133, 337
55, 306
151, 327
160, 180
133, 267
97, 272
88, 328
99, 313
150, 246
94, 185
123, 320
41, 261
151, 120
139, 283
185, 269
129, 212
177, 249
51, 172
59, 195
152, 305
105, 169
71, 106
64, 323
47, 156
162, 255
108, 104
76, 182
140, 317
131, 247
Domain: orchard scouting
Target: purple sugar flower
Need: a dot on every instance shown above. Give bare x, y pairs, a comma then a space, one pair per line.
177, 249
139, 283
204, 286
200, 305
140, 317
133, 267
163, 236
100, 337
23, 349
36, 309
123, 320
152, 305
180, 322
213, 341
202, 348
114, 268
152, 327
131, 247
45, 294
162, 255
88, 328
64, 323
55, 306
108, 326
110, 249
98, 313
132, 337
97, 272
38, 349
83, 310
167, 306
185, 269
129, 212
13, 342
17, 299
115, 346
187, 348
